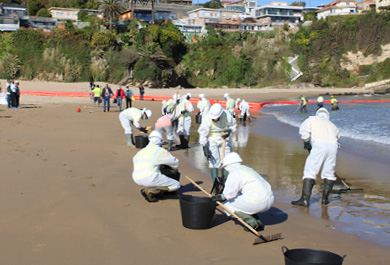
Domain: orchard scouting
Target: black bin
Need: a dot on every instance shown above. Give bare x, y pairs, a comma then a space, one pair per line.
141, 141
303, 256
197, 212
198, 118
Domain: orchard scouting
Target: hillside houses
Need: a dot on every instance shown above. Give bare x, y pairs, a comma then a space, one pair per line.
192, 20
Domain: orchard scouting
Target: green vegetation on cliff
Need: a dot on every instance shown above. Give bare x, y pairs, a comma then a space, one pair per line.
159, 54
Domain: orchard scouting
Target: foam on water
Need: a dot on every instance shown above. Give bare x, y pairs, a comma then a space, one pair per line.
367, 122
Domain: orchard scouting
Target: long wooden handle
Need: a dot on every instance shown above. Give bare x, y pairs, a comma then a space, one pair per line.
225, 208
342, 181
223, 150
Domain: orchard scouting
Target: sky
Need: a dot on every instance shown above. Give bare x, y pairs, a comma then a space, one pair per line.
314, 3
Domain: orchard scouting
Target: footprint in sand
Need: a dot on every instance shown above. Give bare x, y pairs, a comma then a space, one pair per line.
39, 247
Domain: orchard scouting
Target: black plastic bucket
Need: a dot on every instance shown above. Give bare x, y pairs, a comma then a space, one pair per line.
141, 141
303, 256
197, 212
198, 118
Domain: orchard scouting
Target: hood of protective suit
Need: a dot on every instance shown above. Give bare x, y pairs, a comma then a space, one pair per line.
232, 166
322, 112
155, 140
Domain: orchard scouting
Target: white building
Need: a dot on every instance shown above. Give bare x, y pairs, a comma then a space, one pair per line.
338, 8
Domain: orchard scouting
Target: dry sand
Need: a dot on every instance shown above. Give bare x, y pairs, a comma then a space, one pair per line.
67, 196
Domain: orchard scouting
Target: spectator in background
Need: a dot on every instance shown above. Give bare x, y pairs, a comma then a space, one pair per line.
141, 92
106, 95
8, 88
97, 95
129, 97
119, 95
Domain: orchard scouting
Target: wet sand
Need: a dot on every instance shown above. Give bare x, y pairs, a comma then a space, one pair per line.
67, 197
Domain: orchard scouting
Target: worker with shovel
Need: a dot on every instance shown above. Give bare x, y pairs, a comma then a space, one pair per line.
246, 192
133, 116
320, 138
214, 136
155, 169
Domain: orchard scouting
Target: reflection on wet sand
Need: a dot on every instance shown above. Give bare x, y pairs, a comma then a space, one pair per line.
281, 162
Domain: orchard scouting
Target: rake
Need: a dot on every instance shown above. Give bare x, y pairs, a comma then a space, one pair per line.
259, 237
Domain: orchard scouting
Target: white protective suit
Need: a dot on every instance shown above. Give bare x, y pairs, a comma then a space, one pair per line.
146, 166
210, 132
203, 105
245, 109
324, 136
130, 116
230, 104
184, 120
246, 191
164, 124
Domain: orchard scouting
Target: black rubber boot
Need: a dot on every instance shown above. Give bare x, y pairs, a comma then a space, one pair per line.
187, 141
182, 142
306, 193
170, 145
328, 185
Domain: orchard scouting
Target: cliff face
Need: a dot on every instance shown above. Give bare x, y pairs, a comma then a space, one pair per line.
352, 60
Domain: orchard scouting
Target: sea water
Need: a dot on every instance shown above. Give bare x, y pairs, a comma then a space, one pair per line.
364, 144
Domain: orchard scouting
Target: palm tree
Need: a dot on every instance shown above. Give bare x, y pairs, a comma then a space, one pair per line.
111, 9
143, 2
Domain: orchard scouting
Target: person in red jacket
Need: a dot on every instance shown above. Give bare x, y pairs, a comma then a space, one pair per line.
119, 96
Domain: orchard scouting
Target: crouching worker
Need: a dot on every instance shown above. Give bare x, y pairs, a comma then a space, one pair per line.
155, 169
246, 193
133, 116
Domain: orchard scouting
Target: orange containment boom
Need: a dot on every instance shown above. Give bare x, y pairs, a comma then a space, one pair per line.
254, 106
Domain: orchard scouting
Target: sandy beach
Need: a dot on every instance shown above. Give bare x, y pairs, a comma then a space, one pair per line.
67, 196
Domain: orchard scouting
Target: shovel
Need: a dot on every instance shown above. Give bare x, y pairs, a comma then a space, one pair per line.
259, 238
347, 186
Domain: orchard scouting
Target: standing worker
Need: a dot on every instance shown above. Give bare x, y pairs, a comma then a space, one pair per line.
230, 104
129, 97
304, 101
245, 110
133, 116
246, 192
214, 136
183, 115
203, 104
320, 102
335, 103
97, 94
320, 138
148, 164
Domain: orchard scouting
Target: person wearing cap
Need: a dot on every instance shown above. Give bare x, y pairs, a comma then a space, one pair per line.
183, 116
132, 116
230, 104
214, 137
334, 102
155, 169
320, 137
246, 192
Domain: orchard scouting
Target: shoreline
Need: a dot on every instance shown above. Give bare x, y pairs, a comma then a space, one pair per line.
69, 196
